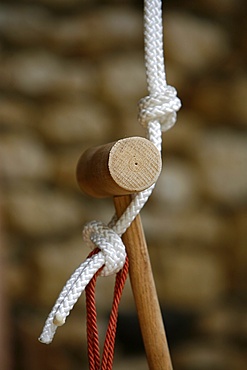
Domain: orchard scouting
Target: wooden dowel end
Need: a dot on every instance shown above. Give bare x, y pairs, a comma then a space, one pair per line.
124, 167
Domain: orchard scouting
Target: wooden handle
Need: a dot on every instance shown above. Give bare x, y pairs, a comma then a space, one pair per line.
144, 291
124, 167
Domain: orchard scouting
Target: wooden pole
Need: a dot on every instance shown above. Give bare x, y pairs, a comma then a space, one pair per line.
119, 169
144, 291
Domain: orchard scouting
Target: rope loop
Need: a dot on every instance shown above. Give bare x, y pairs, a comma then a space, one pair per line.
97, 234
160, 107
107, 259
156, 112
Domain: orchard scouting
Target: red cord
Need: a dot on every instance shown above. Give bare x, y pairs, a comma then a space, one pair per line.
108, 351
92, 329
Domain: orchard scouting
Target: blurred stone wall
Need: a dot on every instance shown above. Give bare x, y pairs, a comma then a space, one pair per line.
71, 74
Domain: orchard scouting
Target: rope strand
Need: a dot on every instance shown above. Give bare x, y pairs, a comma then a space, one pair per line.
153, 44
108, 351
157, 112
93, 347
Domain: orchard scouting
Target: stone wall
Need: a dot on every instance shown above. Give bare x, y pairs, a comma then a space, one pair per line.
71, 74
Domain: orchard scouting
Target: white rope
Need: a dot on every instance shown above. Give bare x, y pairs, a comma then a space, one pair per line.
162, 103
112, 257
157, 112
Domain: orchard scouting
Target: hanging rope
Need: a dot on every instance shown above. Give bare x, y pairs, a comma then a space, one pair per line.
108, 351
92, 329
157, 112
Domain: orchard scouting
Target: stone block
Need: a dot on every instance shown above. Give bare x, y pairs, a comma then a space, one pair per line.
93, 33
190, 280
116, 72
194, 43
76, 122
197, 228
25, 26
177, 186
36, 213
42, 73
203, 355
221, 101
24, 157
223, 156
16, 114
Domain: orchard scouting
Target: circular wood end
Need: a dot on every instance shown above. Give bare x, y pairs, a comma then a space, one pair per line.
134, 163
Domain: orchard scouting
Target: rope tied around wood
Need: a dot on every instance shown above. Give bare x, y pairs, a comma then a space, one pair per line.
96, 234
157, 112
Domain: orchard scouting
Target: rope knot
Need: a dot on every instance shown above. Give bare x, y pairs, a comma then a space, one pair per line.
162, 107
98, 234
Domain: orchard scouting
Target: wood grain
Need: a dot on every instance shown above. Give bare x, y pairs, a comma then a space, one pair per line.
126, 166
144, 291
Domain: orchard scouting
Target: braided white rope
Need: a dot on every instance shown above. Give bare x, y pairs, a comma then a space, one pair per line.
162, 103
112, 257
156, 111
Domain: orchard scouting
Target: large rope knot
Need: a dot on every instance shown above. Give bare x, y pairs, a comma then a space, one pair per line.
109, 260
161, 107
98, 234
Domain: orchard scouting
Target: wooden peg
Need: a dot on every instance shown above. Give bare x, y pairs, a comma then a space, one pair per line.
124, 167
119, 169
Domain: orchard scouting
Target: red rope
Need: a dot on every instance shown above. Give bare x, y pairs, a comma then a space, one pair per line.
109, 345
92, 329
